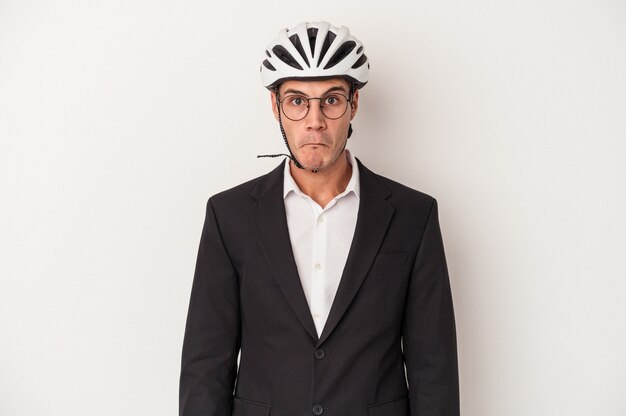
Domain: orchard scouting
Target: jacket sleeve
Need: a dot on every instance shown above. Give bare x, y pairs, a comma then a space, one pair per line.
429, 334
212, 333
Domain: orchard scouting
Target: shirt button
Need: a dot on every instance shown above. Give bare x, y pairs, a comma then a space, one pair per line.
318, 409
319, 354
320, 219
316, 315
317, 266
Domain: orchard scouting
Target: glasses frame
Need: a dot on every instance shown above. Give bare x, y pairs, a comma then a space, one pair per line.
308, 105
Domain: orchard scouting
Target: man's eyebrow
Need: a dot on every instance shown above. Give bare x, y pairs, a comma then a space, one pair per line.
293, 91
335, 88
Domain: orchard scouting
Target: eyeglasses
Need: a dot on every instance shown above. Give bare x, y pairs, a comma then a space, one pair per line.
296, 107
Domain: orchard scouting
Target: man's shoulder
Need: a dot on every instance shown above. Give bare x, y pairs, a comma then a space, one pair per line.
242, 192
400, 192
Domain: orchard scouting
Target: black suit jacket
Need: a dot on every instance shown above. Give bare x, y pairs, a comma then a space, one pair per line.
393, 308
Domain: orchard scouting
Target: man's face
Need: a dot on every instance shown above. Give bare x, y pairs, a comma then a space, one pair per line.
316, 141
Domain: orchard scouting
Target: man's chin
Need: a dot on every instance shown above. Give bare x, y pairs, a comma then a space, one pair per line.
314, 167
317, 163
311, 165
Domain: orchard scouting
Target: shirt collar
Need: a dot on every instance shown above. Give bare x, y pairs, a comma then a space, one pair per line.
289, 184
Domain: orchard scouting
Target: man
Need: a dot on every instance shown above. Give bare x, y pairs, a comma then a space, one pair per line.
329, 278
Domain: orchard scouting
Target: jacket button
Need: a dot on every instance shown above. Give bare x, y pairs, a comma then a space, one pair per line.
319, 354
318, 409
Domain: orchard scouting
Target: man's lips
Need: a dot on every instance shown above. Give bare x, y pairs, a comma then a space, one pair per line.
315, 144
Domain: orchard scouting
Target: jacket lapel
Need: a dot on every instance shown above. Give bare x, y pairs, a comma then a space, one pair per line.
372, 221
270, 221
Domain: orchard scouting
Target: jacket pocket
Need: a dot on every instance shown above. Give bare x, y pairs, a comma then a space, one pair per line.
246, 407
397, 407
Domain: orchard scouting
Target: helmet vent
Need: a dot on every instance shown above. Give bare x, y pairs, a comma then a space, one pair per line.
269, 66
343, 51
327, 42
296, 42
360, 62
285, 56
312, 38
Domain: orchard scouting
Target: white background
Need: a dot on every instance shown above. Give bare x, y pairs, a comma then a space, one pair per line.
119, 119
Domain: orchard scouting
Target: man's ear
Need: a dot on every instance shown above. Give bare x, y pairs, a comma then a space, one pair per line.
274, 106
354, 104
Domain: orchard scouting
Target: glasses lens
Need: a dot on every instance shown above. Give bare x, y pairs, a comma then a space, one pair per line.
334, 105
295, 107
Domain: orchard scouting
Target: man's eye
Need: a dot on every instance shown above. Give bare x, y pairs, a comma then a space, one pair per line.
297, 101
331, 100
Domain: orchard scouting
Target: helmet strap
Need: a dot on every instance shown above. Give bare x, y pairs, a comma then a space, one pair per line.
351, 105
282, 130
291, 155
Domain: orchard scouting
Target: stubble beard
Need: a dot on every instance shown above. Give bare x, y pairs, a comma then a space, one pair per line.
318, 165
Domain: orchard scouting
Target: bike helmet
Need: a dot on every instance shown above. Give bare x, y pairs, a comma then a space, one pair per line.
315, 50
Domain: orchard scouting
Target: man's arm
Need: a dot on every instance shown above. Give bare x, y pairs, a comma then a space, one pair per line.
212, 333
429, 334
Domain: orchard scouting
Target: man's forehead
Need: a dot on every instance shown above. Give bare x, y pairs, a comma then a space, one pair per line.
315, 86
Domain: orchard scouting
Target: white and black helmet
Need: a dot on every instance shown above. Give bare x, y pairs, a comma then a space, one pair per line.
315, 50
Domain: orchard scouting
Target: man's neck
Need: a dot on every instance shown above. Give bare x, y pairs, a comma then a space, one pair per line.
324, 185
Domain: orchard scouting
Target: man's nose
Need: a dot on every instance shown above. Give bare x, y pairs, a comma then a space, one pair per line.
315, 119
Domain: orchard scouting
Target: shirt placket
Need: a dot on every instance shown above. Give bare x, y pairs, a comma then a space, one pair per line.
318, 281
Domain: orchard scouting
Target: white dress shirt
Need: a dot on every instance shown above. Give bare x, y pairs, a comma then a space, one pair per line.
320, 239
